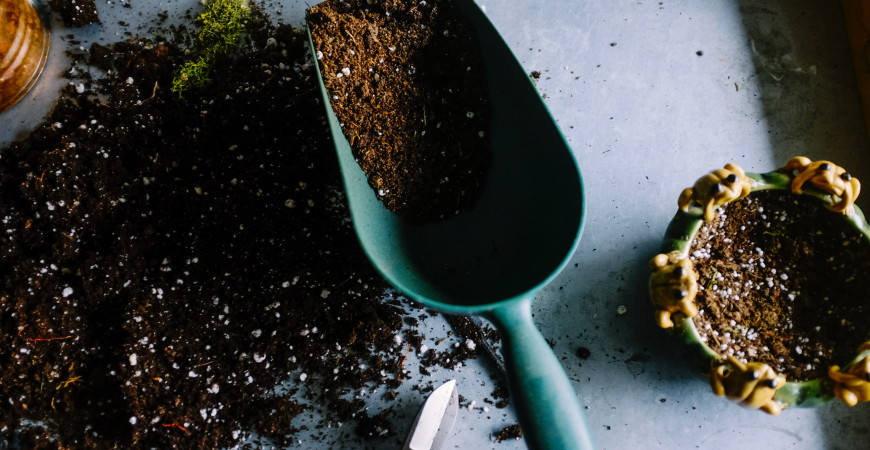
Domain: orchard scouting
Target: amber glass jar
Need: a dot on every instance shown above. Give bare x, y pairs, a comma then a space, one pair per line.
24, 42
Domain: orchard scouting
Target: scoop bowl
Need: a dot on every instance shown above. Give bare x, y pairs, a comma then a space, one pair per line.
493, 259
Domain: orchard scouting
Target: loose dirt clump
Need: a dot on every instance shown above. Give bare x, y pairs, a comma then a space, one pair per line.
782, 281
407, 86
510, 432
76, 13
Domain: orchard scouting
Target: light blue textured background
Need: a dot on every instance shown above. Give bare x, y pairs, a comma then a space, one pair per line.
645, 116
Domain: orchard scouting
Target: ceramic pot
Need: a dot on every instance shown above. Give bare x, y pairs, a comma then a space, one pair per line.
674, 286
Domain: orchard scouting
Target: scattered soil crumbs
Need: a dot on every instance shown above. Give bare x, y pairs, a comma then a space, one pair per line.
76, 13
509, 432
407, 86
455, 355
500, 394
168, 263
475, 334
783, 281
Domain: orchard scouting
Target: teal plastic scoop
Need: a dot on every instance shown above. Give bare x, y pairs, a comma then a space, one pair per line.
492, 259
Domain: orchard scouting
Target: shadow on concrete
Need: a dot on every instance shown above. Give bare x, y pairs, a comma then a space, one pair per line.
809, 95
805, 81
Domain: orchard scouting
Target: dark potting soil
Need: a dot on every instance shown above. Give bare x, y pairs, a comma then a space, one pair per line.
407, 85
76, 13
783, 281
168, 262
509, 432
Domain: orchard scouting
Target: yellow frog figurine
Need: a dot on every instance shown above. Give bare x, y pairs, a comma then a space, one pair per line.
853, 385
751, 384
673, 286
717, 188
828, 177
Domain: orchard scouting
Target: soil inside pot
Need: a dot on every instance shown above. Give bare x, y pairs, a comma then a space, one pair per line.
782, 281
168, 263
407, 86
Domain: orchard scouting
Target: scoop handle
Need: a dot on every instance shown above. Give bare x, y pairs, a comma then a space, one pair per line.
549, 411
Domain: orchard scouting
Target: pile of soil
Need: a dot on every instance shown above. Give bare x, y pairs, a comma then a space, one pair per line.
169, 263
783, 281
407, 85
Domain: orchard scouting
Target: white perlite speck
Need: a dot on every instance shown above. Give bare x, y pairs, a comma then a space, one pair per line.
303, 376
67, 291
470, 344
133, 359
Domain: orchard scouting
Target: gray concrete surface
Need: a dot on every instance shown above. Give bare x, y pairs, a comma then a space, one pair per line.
650, 95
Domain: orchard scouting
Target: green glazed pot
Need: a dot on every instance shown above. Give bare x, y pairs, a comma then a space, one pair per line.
684, 335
